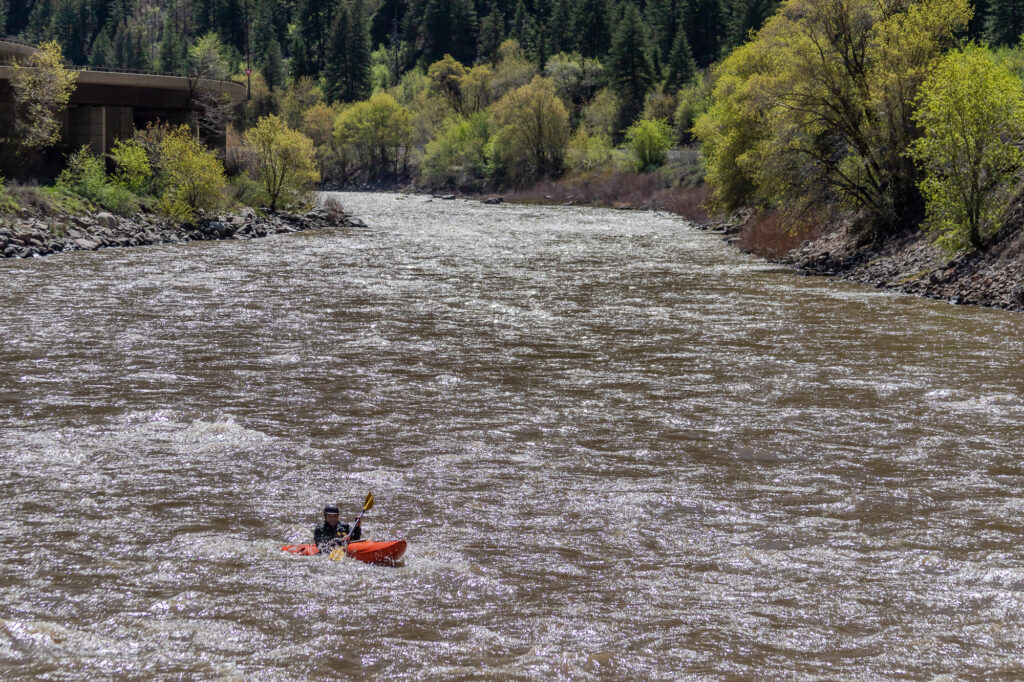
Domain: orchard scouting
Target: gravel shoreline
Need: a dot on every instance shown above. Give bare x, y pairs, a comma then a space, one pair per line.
33, 235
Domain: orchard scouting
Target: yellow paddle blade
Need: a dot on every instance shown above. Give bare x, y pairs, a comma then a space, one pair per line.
368, 505
337, 554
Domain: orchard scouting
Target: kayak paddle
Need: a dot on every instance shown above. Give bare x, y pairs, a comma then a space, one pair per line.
340, 551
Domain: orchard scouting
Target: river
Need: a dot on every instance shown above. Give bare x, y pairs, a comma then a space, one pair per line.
618, 449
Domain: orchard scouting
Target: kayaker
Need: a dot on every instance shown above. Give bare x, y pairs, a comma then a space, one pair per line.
330, 534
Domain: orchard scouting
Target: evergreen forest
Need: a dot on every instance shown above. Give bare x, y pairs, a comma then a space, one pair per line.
781, 104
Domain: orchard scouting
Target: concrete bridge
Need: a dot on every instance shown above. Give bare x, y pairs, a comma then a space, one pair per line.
108, 105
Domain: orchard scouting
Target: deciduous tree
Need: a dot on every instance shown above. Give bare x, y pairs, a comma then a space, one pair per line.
971, 110
378, 132
531, 129
284, 162
820, 104
41, 87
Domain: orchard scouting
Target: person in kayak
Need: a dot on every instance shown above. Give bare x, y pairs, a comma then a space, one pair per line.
331, 534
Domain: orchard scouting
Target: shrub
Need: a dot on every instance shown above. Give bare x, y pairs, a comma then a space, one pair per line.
457, 156
587, 152
190, 175
133, 169
332, 206
173, 207
285, 163
649, 141
86, 176
244, 190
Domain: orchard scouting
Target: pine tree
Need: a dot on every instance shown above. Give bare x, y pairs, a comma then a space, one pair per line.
560, 38
492, 33
272, 65
347, 75
705, 27
680, 67
664, 17
1005, 21
262, 27
590, 26
747, 16
173, 50
629, 64
384, 20
312, 36
102, 53
449, 27
976, 29
66, 24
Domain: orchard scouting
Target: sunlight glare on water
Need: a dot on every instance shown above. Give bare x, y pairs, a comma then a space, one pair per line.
618, 449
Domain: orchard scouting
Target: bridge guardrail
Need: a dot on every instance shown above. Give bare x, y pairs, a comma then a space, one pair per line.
7, 60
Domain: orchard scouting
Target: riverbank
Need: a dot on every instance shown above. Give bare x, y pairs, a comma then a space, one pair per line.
907, 263
37, 234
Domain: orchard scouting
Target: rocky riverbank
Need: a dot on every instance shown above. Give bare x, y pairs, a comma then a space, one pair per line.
35, 235
909, 263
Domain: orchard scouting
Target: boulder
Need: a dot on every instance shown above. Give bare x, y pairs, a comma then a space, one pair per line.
107, 220
87, 244
354, 222
494, 200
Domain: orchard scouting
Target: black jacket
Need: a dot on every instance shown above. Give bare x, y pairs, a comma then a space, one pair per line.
329, 537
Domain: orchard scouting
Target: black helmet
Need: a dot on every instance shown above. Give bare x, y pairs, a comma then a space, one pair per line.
331, 509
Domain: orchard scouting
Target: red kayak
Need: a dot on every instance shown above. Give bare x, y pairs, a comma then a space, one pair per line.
387, 552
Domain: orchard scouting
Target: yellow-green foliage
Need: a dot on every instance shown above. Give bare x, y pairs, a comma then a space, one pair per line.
476, 87
446, 78
587, 152
531, 128
41, 89
86, 176
694, 100
513, 69
190, 175
284, 162
133, 169
649, 140
467, 91
457, 156
820, 103
300, 95
971, 110
377, 132
659, 104
576, 79
601, 114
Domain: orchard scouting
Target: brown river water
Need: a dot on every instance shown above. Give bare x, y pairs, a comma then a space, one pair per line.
618, 449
